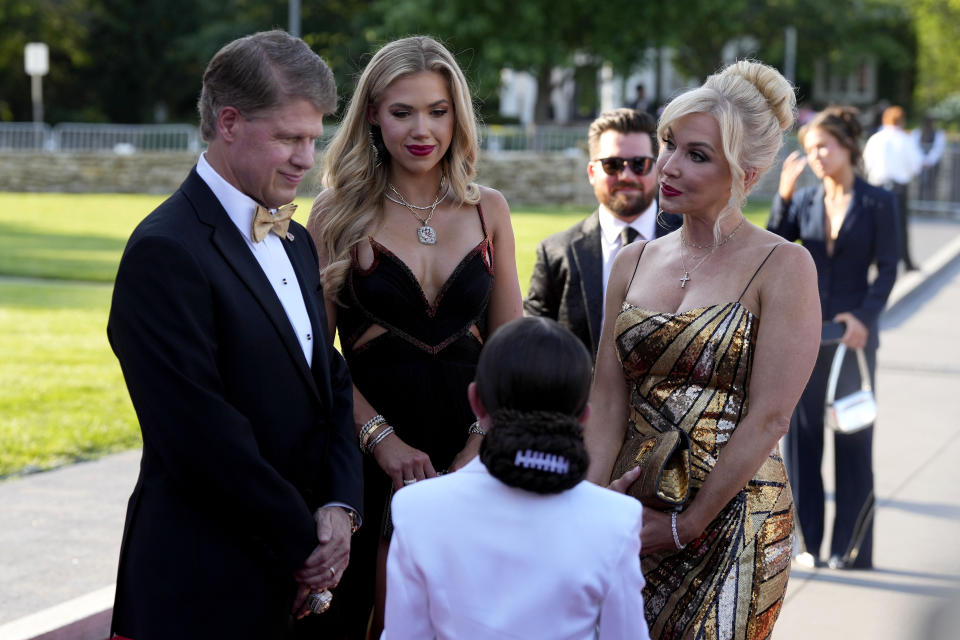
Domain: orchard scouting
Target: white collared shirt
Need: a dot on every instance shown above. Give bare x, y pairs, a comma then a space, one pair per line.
891, 155
610, 228
269, 252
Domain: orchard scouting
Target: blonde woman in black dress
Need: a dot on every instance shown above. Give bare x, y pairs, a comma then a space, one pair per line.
418, 265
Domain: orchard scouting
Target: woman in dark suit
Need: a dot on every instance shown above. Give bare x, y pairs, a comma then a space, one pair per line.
847, 225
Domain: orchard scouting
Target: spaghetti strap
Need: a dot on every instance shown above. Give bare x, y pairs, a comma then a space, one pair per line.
758, 270
483, 224
642, 247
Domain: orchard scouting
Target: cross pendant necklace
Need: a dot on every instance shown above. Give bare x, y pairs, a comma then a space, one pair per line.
683, 262
713, 247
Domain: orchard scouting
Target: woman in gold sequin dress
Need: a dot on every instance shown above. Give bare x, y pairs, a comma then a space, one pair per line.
712, 330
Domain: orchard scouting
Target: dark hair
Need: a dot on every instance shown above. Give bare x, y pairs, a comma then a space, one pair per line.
262, 71
534, 379
622, 121
843, 123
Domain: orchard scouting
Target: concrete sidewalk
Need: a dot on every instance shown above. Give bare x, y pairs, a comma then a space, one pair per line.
60, 530
917, 476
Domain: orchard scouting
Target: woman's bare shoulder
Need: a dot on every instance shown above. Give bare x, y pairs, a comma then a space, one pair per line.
784, 262
493, 202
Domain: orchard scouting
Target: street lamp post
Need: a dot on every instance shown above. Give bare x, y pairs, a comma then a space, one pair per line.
790, 54
36, 62
294, 16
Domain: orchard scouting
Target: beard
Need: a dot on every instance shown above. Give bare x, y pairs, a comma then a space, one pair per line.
625, 205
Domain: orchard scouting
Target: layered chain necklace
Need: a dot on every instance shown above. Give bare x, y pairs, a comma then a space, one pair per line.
713, 247
425, 233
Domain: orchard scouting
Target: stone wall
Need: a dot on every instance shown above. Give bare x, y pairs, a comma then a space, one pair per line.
524, 178
538, 178
157, 173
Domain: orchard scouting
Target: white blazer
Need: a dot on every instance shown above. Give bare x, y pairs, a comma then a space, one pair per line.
474, 559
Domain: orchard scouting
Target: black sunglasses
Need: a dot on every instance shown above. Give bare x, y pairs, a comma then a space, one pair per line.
640, 165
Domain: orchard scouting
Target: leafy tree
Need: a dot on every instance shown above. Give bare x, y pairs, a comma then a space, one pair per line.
842, 31
153, 52
344, 33
149, 57
61, 24
534, 36
938, 59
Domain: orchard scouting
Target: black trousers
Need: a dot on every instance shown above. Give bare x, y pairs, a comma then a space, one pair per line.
853, 466
903, 212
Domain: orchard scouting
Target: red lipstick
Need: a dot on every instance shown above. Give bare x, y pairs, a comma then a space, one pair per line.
420, 149
668, 191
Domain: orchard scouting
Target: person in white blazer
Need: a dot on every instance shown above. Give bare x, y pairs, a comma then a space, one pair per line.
516, 544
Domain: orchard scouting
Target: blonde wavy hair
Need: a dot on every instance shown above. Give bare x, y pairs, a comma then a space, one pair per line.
355, 176
754, 105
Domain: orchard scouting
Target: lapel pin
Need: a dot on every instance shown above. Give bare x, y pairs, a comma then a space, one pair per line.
289, 236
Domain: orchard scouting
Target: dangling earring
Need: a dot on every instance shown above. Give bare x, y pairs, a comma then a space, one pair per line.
376, 145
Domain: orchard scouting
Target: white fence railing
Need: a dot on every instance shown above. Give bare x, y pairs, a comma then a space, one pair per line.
940, 193
125, 138
132, 138
115, 138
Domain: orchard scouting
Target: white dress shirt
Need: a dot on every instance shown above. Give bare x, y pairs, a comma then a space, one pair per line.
269, 252
891, 155
610, 228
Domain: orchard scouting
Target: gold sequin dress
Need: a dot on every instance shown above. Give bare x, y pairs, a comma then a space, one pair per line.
691, 371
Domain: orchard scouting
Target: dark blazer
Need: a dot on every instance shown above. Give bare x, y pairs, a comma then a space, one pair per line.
567, 280
242, 441
868, 235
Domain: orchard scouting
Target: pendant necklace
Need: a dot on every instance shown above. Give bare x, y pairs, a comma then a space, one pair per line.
713, 247
686, 272
425, 233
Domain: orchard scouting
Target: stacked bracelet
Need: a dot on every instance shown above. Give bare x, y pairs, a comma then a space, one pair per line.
475, 428
368, 428
378, 438
673, 526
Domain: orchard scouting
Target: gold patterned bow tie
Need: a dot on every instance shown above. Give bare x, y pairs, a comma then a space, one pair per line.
265, 221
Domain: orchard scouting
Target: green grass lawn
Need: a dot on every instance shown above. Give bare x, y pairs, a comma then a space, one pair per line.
62, 396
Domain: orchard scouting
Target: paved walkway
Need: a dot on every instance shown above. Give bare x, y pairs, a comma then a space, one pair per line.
917, 471
60, 530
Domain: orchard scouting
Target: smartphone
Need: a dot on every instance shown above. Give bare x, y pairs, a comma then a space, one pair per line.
832, 332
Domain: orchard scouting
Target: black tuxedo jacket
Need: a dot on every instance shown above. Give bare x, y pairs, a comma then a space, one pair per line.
869, 235
242, 440
567, 280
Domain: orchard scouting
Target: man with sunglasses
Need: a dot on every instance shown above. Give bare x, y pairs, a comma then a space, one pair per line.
570, 276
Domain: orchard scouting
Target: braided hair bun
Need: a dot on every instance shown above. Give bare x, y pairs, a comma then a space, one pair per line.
533, 379
539, 451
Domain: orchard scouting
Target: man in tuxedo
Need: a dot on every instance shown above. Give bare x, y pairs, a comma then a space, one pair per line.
570, 276
250, 481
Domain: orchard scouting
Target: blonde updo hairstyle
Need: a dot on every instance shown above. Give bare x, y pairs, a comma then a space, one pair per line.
753, 104
356, 164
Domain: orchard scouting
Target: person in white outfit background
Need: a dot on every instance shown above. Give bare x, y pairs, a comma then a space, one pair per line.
516, 544
891, 159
